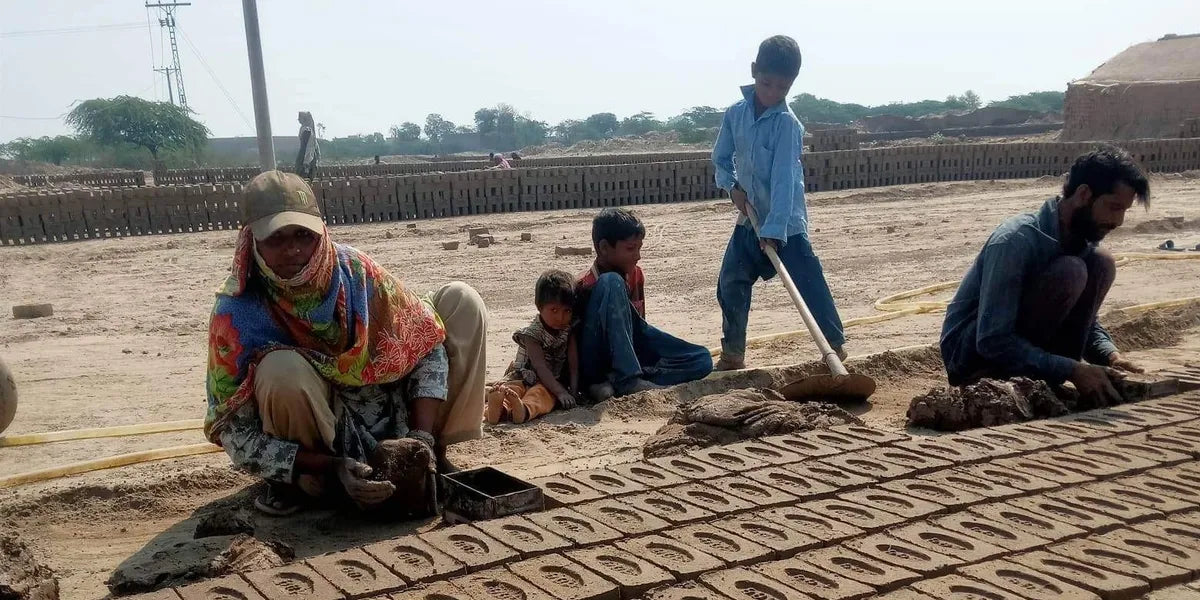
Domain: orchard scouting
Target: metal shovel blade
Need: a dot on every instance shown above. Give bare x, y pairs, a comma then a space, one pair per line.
849, 387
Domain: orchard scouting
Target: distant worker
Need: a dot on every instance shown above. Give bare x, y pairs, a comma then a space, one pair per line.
376, 159
1028, 305
757, 159
498, 161
514, 156
310, 150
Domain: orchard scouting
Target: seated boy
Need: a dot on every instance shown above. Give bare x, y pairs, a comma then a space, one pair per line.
624, 354
757, 159
533, 382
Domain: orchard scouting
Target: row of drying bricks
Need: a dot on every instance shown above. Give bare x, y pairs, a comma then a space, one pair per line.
1108, 496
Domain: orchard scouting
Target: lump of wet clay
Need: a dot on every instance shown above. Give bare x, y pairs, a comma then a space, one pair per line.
408, 464
22, 577
984, 403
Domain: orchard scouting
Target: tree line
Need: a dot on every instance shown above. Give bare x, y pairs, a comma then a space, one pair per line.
134, 133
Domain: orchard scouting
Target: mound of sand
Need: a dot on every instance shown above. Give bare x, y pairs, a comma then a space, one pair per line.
21, 576
1155, 329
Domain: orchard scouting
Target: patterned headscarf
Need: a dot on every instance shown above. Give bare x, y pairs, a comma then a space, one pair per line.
353, 321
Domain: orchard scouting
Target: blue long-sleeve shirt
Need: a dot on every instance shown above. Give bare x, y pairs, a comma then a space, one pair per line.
981, 322
763, 155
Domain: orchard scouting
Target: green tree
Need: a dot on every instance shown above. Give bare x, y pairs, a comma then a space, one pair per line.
639, 124
971, 99
437, 128
405, 132
1039, 101
155, 126
600, 126
44, 149
485, 121
529, 132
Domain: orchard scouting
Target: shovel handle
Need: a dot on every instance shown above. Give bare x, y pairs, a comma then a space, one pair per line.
831, 358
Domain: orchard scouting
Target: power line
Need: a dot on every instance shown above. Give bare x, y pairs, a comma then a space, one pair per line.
70, 30
167, 21
213, 75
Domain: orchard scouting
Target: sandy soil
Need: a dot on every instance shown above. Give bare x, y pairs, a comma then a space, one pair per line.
127, 343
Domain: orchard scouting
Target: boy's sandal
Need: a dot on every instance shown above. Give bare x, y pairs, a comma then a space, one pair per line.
279, 500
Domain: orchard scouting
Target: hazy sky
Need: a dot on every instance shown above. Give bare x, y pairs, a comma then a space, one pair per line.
363, 66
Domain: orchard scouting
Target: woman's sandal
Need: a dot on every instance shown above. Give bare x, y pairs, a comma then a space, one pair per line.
279, 500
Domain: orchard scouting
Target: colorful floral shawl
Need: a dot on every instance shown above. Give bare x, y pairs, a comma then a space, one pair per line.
354, 322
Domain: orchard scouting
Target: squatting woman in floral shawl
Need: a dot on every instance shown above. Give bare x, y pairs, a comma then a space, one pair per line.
317, 355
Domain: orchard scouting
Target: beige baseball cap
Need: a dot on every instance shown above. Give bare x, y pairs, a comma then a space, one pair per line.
274, 199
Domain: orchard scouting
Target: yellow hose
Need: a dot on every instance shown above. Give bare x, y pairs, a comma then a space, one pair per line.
47, 437
108, 462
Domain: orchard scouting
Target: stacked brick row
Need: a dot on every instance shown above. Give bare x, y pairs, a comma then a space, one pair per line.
97, 179
64, 215
1102, 504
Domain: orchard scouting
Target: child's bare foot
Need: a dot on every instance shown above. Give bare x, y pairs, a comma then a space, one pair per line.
730, 363
519, 413
494, 410
599, 392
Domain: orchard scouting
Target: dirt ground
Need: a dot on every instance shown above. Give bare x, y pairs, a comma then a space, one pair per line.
128, 339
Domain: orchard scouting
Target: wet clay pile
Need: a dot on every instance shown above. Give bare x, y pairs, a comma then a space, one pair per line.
407, 463
739, 415
988, 402
22, 577
185, 561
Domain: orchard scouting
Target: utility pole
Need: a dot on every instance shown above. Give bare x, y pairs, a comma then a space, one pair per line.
258, 86
167, 20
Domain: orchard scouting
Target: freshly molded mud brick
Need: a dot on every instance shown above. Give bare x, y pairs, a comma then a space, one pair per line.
772, 455
1005, 472
894, 502
830, 475
727, 547
355, 573
957, 587
1153, 416
1165, 550
476, 549
608, 482
1070, 513
632, 574
1113, 506
920, 463
649, 475
690, 590
871, 434
791, 482
441, 590
564, 578
744, 584
1016, 441
989, 530
1036, 465
221, 588
752, 491
1050, 437
1187, 433
560, 490
803, 446
880, 470
581, 529
1158, 574
523, 535
621, 516
1025, 581
1161, 487
944, 449
816, 583
1126, 490
897, 552
1096, 419
1164, 440
1178, 476
943, 494
681, 560
907, 593
708, 497
1183, 534
296, 580
987, 447
807, 522
413, 559
864, 517
783, 540
1149, 451
861, 568
688, 467
726, 459
667, 507
970, 483
1102, 582
1103, 453
1021, 518
959, 546
834, 439
1067, 428
500, 584
163, 594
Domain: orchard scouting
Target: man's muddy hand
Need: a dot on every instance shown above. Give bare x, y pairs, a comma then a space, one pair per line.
1096, 383
354, 477
738, 195
1116, 361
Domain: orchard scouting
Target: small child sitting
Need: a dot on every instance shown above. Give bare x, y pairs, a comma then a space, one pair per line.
534, 380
